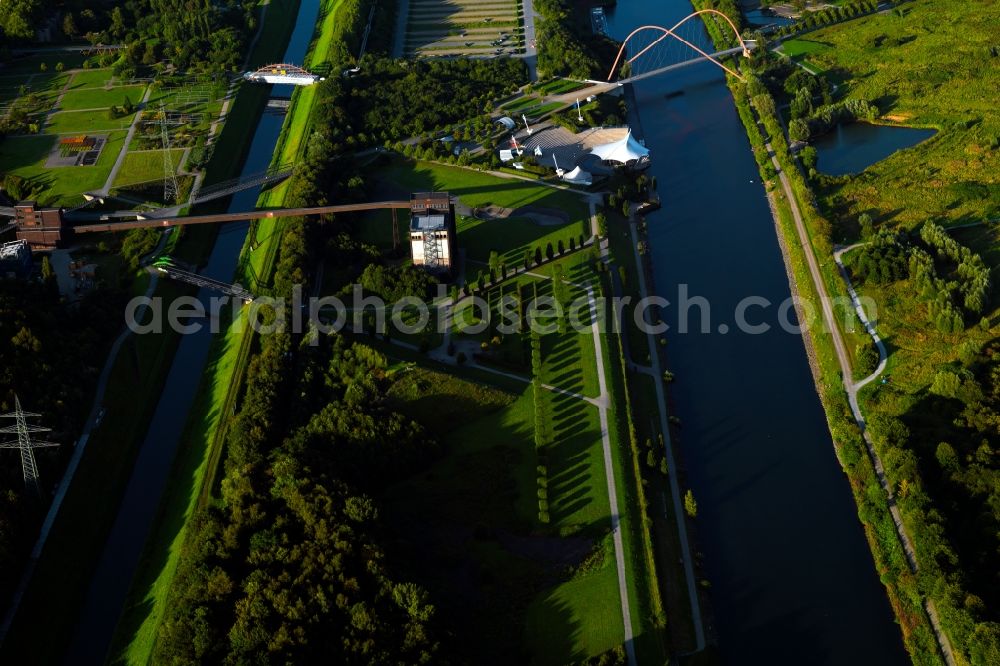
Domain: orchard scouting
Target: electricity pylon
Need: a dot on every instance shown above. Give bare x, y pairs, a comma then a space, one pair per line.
169, 172
25, 444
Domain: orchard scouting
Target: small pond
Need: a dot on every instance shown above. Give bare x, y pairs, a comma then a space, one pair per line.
854, 147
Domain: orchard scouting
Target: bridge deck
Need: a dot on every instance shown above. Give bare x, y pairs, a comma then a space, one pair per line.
205, 282
238, 217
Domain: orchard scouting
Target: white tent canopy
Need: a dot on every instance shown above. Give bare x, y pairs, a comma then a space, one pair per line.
624, 150
578, 176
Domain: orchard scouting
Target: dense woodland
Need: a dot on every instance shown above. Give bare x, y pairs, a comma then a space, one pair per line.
47, 357
292, 567
566, 43
391, 100
189, 35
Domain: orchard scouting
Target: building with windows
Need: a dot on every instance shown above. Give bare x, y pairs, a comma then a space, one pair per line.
432, 231
43, 228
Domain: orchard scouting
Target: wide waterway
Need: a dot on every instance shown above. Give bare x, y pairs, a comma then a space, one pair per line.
110, 583
792, 578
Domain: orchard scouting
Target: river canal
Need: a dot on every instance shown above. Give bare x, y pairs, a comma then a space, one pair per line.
110, 582
792, 578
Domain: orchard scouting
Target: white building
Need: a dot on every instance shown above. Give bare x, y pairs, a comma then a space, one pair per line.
432, 230
624, 151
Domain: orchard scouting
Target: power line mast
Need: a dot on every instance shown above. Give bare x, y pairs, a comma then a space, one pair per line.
169, 173
25, 444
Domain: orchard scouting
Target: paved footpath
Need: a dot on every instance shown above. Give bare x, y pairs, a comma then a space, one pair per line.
675, 491
74, 461
853, 387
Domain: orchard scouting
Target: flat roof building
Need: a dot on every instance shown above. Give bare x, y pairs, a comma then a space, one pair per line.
15, 259
432, 230
43, 228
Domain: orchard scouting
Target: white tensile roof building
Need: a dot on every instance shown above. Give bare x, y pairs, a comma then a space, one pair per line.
623, 151
578, 177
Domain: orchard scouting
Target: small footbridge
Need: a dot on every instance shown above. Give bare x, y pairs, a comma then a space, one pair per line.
203, 282
272, 176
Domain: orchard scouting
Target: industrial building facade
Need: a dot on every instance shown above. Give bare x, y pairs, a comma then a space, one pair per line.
432, 231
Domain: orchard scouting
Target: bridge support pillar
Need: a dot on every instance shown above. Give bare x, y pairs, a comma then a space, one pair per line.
395, 231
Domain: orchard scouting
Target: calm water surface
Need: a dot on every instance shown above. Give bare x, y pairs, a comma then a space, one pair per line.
854, 147
792, 579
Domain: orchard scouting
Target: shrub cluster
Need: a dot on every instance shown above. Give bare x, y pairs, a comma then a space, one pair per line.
973, 273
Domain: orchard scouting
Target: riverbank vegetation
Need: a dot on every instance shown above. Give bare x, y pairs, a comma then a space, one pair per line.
926, 213
567, 45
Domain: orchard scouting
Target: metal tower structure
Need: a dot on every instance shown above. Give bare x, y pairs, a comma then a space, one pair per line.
25, 444
169, 172
432, 249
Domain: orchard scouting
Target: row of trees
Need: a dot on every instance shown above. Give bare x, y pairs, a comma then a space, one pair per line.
826, 16
825, 118
972, 271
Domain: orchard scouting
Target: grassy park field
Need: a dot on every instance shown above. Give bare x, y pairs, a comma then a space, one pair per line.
926, 76
488, 478
77, 102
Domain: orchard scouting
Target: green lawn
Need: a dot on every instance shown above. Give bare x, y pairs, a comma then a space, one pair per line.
100, 98
512, 236
89, 78
577, 619
84, 122
542, 110
795, 48
521, 103
488, 478
25, 156
559, 87
145, 166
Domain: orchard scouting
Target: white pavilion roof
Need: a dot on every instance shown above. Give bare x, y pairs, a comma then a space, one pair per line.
578, 175
624, 150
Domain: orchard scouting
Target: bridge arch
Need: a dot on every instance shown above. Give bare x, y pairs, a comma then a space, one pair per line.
287, 69
669, 32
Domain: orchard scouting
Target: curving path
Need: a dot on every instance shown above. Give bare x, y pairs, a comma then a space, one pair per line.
853, 387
